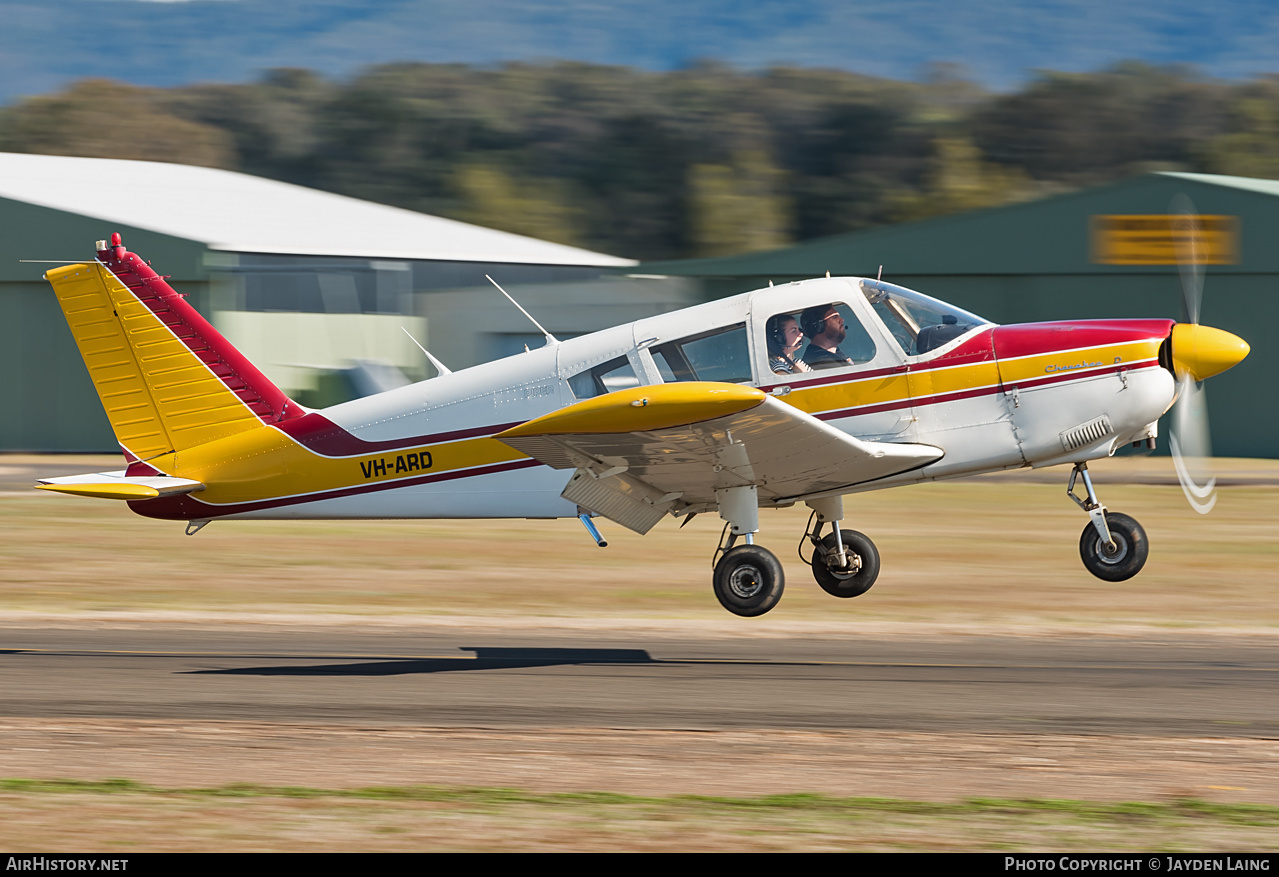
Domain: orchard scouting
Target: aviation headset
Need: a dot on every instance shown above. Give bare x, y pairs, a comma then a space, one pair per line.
813, 320
773, 329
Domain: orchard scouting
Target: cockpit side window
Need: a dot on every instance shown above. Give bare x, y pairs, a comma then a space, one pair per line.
824, 336
719, 355
607, 377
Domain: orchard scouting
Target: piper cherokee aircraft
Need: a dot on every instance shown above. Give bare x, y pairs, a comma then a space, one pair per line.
722, 407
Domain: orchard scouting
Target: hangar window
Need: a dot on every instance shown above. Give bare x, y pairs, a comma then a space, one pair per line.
719, 355
607, 377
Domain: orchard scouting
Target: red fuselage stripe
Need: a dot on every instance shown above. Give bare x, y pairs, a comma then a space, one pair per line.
318, 434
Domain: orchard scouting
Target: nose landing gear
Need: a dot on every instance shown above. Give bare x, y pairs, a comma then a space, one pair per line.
1113, 547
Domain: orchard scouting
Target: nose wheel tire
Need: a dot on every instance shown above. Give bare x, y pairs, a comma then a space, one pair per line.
1122, 561
855, 580
749, 580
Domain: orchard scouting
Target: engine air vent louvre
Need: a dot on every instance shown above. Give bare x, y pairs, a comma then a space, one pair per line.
1086, 433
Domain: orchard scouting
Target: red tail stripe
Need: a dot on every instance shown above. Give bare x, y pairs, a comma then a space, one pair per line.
266, 400
324, 437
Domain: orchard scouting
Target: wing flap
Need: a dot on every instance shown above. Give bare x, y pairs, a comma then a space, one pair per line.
117, 485
621, 499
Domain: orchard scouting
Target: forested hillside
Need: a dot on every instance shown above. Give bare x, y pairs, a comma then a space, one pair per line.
696, 162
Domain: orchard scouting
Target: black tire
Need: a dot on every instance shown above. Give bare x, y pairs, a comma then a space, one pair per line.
749, 580
1131, 549
843, 584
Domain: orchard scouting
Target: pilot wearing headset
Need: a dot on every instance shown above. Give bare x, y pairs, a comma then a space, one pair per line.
825, 329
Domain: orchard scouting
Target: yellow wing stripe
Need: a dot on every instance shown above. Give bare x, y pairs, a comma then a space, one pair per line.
641, 409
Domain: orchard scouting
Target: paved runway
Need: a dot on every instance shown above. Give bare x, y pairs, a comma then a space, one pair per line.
1161, 685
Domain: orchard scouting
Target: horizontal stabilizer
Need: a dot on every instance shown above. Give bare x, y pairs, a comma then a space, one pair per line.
117, 485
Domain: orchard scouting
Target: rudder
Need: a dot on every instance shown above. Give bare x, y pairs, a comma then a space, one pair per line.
167, 379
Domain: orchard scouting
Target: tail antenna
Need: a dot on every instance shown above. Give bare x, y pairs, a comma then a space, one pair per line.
550, 339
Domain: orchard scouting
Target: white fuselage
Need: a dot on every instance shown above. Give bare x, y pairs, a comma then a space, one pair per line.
1049, 403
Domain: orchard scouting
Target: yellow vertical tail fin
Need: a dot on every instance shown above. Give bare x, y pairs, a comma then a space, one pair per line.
167, 379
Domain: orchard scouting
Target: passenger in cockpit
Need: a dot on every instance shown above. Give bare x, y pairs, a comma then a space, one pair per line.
784, 339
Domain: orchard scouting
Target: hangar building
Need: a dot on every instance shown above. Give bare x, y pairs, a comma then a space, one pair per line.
1102, 252
315, 288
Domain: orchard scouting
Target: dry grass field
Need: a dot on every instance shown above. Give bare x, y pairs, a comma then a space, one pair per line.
264, 819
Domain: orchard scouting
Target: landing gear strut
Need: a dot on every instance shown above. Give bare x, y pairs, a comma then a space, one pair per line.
1113, 546
748, 578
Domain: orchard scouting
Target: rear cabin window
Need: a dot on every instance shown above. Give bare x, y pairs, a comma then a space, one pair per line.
607, 377
720, 355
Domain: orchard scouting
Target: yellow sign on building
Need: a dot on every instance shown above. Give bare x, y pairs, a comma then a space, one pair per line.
1165, 239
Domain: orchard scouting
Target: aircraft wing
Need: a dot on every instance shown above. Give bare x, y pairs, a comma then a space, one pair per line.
646, 451
117, 485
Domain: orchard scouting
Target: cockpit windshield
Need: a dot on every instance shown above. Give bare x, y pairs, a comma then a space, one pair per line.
918, 322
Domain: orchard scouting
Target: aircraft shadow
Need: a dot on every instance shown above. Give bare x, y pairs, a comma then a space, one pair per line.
485, 659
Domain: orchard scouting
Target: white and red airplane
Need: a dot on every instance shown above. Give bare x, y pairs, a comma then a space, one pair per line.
806, 392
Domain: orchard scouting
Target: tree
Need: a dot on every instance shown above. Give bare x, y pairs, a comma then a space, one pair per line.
97, 118
958, 180
491, 197
1250, 147
738, 207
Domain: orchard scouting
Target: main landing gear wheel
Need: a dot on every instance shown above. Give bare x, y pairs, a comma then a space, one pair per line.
861, 572
1121, 561
749, 580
